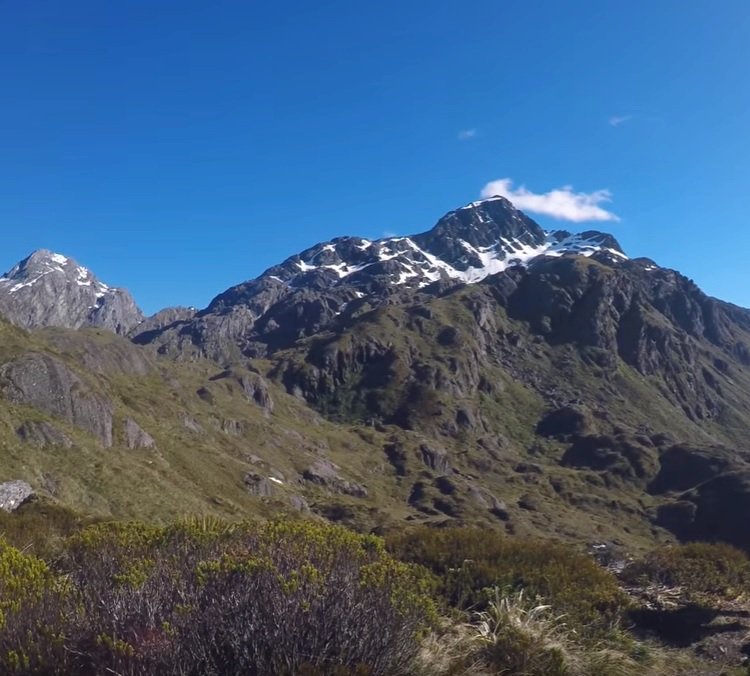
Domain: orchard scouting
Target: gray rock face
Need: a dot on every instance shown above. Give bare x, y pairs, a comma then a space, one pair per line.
325, 473
135, 436
48, 289
13, 494
328, 282
256, 390
47, 384
435, 459
43, 434
258, 485
155, 323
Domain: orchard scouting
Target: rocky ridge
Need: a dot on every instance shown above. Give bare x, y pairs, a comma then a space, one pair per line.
49, 289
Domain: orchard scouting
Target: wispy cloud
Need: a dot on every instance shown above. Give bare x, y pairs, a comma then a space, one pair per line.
561, 203
466, 134
617, 120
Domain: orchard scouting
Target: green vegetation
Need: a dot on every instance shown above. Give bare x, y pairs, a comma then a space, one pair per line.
703, 571
206, 597
471, 563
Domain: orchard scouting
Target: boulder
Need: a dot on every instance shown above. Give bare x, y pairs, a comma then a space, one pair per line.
258, 485
135, 436
13, 494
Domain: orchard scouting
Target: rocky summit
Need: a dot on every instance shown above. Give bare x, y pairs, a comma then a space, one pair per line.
310, 290
49, 289
483, 371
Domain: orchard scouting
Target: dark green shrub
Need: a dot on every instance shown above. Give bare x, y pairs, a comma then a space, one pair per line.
210, 598
699, 568
469, 561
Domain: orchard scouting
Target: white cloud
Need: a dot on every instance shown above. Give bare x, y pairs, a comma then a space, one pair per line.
561, 203
466, 134
617, 120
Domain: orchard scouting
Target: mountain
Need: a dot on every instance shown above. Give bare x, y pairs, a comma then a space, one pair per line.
308, 291
48, 289
483, 371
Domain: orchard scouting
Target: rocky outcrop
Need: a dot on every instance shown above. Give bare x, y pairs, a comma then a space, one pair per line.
153, 325
47, 384
48, 289
13, 494
620, 456
331, 282
685, 466
258, 485
435, 458
134, 436
256, 390
324, 473
43, 434
714, 511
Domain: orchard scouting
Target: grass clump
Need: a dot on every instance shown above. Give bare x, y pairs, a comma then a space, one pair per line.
517, 635
700, 569
470, 562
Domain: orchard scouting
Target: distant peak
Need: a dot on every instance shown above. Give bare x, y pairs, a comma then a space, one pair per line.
485, 201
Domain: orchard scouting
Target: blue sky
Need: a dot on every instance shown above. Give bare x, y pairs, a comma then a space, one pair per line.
179, 147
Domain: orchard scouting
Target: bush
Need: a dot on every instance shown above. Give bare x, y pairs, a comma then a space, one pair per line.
210, 598
699, 568
470, 561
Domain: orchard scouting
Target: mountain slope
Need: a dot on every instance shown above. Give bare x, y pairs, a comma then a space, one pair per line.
302, 295
48, 289
481, 372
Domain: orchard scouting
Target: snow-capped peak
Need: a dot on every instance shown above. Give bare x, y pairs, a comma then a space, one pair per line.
468, 244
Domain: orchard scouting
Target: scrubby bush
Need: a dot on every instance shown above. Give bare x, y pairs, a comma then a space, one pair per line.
699, 568
471, 561
211, 598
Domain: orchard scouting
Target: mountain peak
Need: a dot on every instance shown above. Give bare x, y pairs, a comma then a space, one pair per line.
50, 289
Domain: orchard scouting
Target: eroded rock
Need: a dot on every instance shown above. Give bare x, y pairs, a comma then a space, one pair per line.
135, 436
13, 494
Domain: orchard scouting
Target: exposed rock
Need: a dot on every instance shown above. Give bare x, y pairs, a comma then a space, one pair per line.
325, 473
618, 456
13, 494
299, 503
258, 485
192, 424
435, 459
47, 384
256, 390
713, 511
565, 422
234, 428
168, 317
47, 289
135, 436
43, 434
685, 466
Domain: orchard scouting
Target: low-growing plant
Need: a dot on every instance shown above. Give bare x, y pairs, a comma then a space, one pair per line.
517, 635
470, 562
208, 598
700, 569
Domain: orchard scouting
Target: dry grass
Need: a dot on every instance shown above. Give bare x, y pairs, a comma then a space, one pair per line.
516, 635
